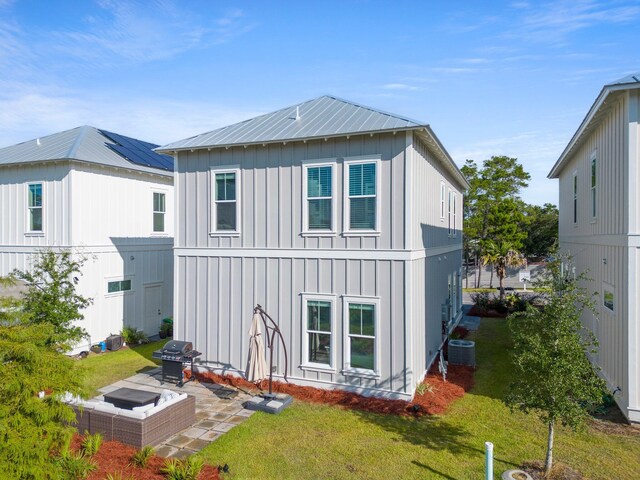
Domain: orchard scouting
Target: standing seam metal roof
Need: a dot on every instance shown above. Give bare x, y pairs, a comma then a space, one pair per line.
629, 82
85, 144
321, 117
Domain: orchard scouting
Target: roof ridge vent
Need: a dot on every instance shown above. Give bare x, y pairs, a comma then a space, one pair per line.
298, 112
38, 142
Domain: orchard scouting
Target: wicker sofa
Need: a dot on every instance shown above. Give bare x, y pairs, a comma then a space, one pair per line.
136, 428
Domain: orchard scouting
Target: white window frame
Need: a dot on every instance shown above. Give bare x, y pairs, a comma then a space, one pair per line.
164, 221
347, 231
574, 196
306, 164
306, 363
213, 232
443, 200
593, 162
606, 287
454, 230
28, 230
119, 293
449, 216
347, 370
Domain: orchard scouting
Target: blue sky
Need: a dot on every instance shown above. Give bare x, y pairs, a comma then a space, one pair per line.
492, 78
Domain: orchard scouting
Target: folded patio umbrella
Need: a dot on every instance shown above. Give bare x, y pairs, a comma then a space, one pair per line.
256, 364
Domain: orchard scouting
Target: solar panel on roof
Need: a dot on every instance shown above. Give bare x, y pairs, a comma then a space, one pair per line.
138, 152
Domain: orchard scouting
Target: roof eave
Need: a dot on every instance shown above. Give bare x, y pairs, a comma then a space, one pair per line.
445, 157
169, 151
576, 138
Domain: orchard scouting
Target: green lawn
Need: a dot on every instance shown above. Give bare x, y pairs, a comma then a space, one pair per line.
312, 441
106, 368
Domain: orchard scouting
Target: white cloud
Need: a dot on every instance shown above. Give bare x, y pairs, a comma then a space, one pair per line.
137, 32
552, 21
400, 86
34, 112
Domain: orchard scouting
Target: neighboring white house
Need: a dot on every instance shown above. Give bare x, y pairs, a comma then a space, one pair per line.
343, 222
599, 173
103, 195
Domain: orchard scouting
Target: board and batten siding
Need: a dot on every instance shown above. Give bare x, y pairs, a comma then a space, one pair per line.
605, 246
271, 193
14, 227
217, 296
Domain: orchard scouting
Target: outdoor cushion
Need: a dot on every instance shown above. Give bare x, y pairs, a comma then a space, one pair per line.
106, 407
143, 408
162, 406
131, 414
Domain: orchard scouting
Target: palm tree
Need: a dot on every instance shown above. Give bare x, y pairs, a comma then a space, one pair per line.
501, 255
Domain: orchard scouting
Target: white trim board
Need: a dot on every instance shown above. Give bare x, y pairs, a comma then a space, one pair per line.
338, 254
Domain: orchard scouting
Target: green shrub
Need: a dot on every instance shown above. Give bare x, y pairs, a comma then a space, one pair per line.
133, 336
142, 456
76, 465
118, 476
91, 444
185, 469
423, 388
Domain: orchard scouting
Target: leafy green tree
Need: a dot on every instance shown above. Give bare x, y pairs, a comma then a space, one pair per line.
492, 208
32, 429
51, 297
501, 255
541, 225
554, 377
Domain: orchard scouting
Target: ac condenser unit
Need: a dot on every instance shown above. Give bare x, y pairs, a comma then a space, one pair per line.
462, 352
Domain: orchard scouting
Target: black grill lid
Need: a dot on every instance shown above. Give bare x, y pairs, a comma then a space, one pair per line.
177, 347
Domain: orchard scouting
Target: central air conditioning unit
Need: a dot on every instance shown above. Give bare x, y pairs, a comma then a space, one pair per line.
462, 352
114, 342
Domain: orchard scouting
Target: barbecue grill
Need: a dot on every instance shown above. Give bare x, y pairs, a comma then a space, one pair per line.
174, 354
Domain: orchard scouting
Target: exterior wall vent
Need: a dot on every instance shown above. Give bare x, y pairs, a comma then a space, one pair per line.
462, 352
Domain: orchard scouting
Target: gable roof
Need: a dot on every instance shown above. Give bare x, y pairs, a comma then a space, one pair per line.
90, 145
593, 116
323, 117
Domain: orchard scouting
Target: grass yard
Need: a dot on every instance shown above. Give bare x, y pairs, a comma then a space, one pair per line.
313, 441
106, 368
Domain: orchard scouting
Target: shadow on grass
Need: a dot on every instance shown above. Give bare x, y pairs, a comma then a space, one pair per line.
433, 470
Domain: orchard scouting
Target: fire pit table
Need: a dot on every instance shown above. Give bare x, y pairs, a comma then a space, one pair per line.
128, 398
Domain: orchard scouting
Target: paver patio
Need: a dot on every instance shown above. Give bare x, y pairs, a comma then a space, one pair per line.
218, 409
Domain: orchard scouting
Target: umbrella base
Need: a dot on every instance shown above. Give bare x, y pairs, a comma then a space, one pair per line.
269, 403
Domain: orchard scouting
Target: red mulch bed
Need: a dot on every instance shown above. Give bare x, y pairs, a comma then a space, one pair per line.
459, 380
114, 457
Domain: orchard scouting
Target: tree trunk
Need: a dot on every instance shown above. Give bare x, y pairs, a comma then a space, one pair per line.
479, 267
549, 460
501, 277
491, 278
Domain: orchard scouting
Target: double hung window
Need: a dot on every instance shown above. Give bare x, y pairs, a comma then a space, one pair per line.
159, 210
319, 198
362, 195
361, 315
35, 206
593, 186
226, 194
575, 197
318, 320
442, 200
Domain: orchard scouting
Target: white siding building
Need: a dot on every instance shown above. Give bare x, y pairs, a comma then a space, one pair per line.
343, 222
105, 196
599, 173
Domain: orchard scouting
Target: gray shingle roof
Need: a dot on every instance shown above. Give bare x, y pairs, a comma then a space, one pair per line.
325, 116
85, 144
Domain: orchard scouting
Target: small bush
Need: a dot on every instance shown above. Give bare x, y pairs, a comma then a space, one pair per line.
132, 336
481, 299
185, 469
423, 388
91, 444
76, 465
142, 456
118, 476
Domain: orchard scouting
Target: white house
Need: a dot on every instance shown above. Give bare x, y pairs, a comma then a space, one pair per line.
343, 222
103, 195
599, 173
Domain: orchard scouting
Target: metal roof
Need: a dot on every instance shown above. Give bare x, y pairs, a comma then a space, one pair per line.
325, 116
633, 78
599, 107
84, 144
